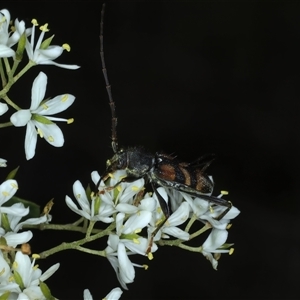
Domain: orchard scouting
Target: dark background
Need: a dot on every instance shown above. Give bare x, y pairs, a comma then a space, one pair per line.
188, 78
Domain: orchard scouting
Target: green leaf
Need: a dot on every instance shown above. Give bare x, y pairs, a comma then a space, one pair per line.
12, 174
3, 241
88, 192
21, 47
46, 291
5, 296
5, 223
46, 43
41, 119
19, 280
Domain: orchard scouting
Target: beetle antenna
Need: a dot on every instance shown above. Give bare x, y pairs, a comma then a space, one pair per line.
114, 121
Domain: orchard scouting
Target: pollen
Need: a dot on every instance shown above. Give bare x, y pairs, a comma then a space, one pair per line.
138, 230
211, 209
2, 271
36, 256
45, 106
66, 47
34, 22
78, 196
111, 175
14, 185
229, 226
64, 98
136, 241
150, 256
50, 138
231, 250
146, 267
135, 188
44, 27
40, 133
3, 19
70, 121
5, 194
224, 192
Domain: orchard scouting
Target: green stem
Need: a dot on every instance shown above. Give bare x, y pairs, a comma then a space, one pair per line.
90, 251
190, 223
7, 65
3, 78
200, 231
13, 70
68, 227
24, 70
189, 248
74, 245
7, 124
10, 102
90, 228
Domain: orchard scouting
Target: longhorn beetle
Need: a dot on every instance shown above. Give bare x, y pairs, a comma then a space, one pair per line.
159, 169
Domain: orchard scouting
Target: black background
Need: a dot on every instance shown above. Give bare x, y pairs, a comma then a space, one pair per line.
188, 78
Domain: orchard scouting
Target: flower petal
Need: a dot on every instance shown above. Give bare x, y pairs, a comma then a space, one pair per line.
3, 106
38, 90
6, 51
30, 140
55, 105
51, 133
21, 117
127, 272
7, 189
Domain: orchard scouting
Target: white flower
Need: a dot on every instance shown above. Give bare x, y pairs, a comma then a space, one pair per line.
7, 189
121, 264
13, 239
87, 295
178, 217
15, 219
126, 190
127, 237
28, 276
38, 116
114, 294
214, 241
3, 162
3, 108
5, 51
217, 211
93, 210
44, 54
7, 40
5, 276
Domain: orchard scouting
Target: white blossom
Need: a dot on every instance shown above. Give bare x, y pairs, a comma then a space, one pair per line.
93, 209
9, 39
178, 217
42, 53
3, 108
28, 277
114, 294
3, 162
38, 116
214, 241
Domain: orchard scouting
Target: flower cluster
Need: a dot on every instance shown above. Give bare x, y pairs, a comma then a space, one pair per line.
38, 118
19, 277
135, 214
